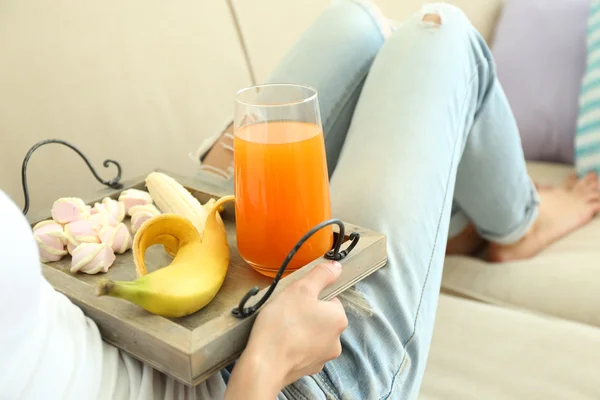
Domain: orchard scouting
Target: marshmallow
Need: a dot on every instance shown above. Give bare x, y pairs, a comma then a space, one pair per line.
69, 209
51, 239
117, 237
97, 209
147, 208
141, 214
102, 219
71, 248
92, 258
134, 197
77, 232
114, 208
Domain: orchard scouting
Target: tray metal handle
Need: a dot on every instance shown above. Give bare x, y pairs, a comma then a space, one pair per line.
112, 183
336, 254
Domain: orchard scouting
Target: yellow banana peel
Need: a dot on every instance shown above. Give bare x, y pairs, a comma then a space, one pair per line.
195, 275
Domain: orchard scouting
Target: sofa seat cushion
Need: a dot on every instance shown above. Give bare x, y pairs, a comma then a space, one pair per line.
563, 280
481, 351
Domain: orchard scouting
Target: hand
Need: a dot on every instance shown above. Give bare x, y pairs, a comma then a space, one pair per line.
297, 330
294, 335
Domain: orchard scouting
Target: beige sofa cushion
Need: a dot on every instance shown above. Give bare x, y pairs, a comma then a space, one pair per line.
267, 37
481, 351
141, 81
564, 280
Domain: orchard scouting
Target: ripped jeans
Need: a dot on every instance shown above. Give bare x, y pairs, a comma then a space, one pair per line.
420, 141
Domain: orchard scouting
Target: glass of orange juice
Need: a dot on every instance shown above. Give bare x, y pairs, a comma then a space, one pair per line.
281, 179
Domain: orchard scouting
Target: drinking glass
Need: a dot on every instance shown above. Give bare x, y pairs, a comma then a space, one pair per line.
281, 178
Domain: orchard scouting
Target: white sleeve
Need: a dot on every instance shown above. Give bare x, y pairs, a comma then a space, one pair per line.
50, 350
19, 296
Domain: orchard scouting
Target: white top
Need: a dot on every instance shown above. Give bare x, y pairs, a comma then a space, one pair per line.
50, 349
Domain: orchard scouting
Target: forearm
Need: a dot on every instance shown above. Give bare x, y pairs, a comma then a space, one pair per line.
254, 378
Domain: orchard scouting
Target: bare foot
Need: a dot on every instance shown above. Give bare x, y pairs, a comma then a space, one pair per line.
572, 180
468, 242
563, 209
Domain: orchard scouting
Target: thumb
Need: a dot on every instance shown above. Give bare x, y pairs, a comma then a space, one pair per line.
321, 276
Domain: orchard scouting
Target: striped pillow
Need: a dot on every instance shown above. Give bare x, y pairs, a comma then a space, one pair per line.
587, 137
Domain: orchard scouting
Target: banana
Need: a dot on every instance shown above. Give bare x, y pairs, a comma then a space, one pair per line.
194, 276
171, 197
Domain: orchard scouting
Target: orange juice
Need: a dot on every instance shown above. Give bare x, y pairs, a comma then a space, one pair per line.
282, 191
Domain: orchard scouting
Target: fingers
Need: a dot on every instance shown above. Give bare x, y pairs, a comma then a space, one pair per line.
320, 277
336, 301
333, 311
336, 350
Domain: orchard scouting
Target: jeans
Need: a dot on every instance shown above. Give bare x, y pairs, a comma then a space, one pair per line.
420, 142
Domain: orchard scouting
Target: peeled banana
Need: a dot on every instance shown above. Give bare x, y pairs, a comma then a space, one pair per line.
194, 276
171, 197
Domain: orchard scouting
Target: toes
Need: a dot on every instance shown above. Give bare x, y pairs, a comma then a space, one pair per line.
590, 177
596, 207
591, 197
571, 180
589, 183
592, 185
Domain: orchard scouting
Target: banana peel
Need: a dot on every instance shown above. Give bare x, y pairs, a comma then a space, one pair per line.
173, 198
170, 245
192, 279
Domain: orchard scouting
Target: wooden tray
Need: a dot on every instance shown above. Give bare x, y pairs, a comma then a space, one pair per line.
191, 349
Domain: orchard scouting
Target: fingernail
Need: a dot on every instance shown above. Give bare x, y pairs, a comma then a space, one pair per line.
336, 265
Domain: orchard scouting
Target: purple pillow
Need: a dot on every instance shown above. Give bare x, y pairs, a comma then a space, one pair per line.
540, 52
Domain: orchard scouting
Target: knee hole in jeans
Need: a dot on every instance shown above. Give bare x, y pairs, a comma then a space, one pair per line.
432, 19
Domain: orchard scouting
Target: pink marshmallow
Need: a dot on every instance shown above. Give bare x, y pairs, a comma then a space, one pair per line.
134, 197
97, 209
69, 209
102, 219
51, 228
77, 232
71, 247
51, 239
141, 214
92, 258
117, 237
114, 208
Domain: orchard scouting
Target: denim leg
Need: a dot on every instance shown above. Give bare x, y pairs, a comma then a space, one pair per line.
430, 109
493, 188
334, 56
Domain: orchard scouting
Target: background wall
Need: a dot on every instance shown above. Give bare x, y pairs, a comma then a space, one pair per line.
141, 81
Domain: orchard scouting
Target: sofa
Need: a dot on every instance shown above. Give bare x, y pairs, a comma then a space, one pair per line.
146, 82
